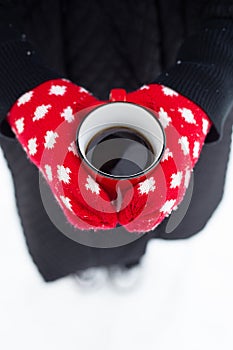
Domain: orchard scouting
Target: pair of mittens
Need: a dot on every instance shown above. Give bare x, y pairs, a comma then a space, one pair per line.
45, 120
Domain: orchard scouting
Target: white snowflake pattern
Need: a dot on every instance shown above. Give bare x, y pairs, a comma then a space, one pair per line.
205, 125
50, 139
147, 186
48, 171
82, 89
154, 227
32, 146
164, 118
169, 92
24, 98
144, 87
72, 148
67, 114
57, 90
187, 114
176, 179
20, 125
13, 129
92, 185
167, 207
167, 154
66, 202
196, 149
63, 174
40, 112
187, 177
183, 141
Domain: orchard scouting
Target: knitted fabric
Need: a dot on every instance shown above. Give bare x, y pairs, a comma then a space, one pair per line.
45, 121
186, 126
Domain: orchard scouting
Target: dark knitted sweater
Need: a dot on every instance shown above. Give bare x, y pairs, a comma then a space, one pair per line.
202, 68
99, 44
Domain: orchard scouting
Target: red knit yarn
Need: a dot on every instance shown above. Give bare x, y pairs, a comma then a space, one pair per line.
186, 126
45, 123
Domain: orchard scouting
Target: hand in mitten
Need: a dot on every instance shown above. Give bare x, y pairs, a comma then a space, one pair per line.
186, 126
45, 123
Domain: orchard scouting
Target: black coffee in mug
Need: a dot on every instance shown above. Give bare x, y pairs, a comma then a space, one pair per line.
120, 151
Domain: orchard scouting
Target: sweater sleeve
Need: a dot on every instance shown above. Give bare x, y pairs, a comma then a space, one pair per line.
21, 66
203, 71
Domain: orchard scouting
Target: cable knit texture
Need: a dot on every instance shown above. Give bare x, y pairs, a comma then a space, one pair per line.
45, 122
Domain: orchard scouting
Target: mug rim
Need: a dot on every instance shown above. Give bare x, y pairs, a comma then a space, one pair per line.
121, 177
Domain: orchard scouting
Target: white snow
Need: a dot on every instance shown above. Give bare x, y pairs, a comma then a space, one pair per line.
182, 301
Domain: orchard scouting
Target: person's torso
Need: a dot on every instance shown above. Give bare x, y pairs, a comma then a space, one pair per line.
105, 44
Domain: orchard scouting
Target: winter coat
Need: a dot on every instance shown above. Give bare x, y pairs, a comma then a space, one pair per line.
101, 45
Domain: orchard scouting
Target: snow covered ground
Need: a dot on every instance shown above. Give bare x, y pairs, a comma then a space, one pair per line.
183, 300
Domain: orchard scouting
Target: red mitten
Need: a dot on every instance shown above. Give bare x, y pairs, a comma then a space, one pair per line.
45, 123
186, 126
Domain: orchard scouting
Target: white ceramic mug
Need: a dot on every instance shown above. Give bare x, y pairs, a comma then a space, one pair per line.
121, 114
